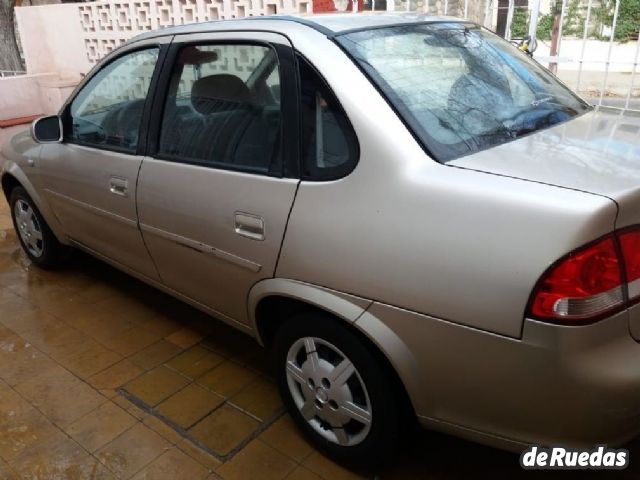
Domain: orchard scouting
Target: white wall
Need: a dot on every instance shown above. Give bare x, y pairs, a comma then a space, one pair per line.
52, 39
21, 96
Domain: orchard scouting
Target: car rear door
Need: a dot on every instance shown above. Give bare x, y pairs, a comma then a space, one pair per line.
90, 178
216, 189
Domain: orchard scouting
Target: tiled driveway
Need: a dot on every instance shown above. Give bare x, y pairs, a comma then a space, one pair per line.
103, 377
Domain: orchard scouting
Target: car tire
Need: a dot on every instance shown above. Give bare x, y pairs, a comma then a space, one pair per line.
35, 236
349, 411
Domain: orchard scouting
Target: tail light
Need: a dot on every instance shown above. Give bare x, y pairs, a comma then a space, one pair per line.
596, 280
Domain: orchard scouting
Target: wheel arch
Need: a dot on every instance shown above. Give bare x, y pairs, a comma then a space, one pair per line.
273, 301
9, 182
12, 177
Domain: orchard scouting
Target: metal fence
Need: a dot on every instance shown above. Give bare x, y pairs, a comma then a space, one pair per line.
11, 73
624, 67
585, 53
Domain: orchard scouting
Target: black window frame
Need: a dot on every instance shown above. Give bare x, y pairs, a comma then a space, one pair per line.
117, 54
310, 172
288, 167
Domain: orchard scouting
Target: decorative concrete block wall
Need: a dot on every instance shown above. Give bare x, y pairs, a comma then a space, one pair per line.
108, 24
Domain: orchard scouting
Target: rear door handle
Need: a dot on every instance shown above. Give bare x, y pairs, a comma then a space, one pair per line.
118, 186
250, 226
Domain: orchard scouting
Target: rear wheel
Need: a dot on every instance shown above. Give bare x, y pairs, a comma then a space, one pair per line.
337, 390
36, 238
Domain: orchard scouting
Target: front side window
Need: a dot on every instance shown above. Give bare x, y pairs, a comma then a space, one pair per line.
223, 108
460, 88
108, 110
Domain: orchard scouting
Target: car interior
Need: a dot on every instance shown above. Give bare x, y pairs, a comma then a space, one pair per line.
221, 118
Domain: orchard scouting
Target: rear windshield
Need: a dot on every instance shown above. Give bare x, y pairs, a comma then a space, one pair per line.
459, 87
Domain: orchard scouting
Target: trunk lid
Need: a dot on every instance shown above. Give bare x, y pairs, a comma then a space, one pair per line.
598, 152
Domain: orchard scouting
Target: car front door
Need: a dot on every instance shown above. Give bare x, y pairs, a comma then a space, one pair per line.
90, 178
214, 197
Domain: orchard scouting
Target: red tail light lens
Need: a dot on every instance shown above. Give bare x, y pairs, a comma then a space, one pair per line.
630, 246
595, 280
583, 285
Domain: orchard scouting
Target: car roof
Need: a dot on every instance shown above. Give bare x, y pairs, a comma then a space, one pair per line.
329, 24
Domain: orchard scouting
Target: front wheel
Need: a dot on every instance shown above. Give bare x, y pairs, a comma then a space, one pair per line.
337, 390
36, 238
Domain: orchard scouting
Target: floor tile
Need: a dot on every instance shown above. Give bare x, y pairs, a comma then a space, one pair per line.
71, 307
227, 379
162, 325
189, 405
115, 376
302, 473
224, 429
184, 337
132, 451
196, 361
20, 360
93, 358
173, 465
6, 472
257, 461
28, 319
155, 354
284, 436
57, 458
229, 342
100, 426
260, 398
163, 429
131, 408
62, 397
12, 305
101, 324
327, 469
198, 454
156, 385
131, 341
22, 430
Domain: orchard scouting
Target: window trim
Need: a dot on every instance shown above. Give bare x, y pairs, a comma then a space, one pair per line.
116, 55
288, 105
352, 163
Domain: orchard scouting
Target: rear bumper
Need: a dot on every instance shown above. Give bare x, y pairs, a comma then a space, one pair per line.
576, 386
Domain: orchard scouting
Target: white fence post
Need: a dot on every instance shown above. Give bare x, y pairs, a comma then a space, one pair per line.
607, 64
584, 44
633, 73
533, 20
507, 28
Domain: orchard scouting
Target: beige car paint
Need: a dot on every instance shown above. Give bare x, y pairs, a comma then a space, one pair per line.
434, 263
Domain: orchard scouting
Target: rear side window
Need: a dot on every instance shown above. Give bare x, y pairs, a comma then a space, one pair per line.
329, 146
223, 108
107, 112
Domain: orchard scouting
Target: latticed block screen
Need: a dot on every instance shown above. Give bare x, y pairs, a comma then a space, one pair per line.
108, 24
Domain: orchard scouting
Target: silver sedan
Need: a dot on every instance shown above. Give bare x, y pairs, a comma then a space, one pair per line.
422, 222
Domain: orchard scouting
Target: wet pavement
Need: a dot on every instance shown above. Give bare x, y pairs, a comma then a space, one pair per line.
104, 377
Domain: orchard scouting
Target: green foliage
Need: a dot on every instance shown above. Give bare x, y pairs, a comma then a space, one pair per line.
520, 23
573, 23
545, 25
628, 18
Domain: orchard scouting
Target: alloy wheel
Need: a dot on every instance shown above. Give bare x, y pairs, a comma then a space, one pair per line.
328, 391
29, 228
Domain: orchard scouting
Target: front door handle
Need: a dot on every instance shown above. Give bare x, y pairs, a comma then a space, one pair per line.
250, 226
118, 186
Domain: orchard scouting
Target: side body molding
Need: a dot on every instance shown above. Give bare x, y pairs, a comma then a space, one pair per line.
343, 305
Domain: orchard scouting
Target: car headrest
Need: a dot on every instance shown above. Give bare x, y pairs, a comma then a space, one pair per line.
218, 92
